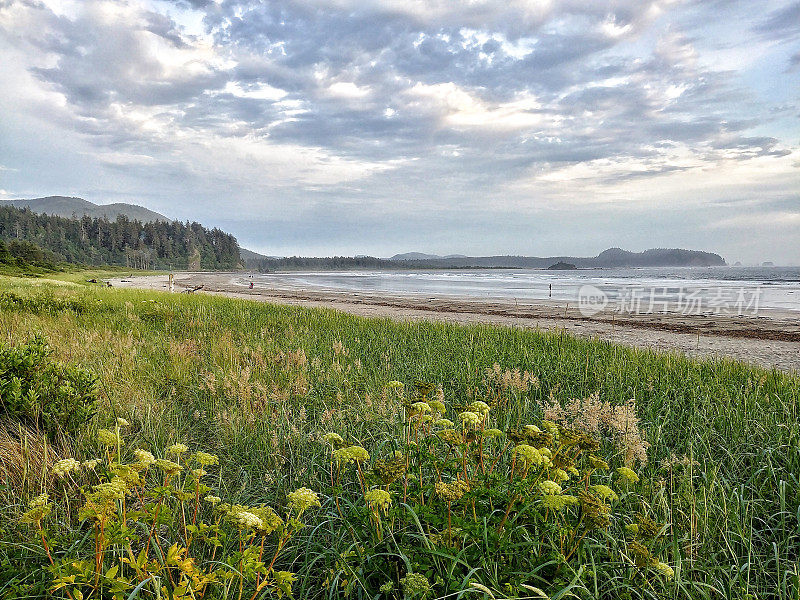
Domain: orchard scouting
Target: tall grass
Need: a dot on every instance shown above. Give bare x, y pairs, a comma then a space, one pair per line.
259, 384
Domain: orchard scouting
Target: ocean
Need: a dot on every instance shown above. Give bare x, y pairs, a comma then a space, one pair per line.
733, 290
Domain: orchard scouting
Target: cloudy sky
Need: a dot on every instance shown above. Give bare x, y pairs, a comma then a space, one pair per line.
322, 127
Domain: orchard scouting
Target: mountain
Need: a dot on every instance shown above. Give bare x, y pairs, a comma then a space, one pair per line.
67, 207
613, 257
249, 257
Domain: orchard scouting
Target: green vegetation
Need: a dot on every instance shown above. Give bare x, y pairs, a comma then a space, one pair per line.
36, 391
25, 258
334, 263
715, 446
98, 241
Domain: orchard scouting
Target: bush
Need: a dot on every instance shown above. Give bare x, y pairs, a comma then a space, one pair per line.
42, 393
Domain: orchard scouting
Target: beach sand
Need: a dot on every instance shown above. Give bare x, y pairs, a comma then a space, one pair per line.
770, 339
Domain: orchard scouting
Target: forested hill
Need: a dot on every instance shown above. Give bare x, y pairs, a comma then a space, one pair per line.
98, 241
70, 207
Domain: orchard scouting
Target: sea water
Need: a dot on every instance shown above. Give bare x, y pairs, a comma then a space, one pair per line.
707, 289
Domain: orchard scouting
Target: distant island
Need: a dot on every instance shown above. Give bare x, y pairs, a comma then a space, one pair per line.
562, 266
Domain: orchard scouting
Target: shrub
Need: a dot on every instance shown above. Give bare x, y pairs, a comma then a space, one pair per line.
43, 393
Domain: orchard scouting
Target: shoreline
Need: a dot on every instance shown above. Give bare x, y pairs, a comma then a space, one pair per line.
770, 339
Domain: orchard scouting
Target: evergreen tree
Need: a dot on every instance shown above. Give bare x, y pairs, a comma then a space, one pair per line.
98, 241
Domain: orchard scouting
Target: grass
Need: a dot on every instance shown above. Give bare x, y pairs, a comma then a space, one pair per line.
259, 384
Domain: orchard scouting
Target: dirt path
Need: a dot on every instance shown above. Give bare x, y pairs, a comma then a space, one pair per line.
771, 339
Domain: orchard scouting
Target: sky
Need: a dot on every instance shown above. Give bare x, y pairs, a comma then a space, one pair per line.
480, 127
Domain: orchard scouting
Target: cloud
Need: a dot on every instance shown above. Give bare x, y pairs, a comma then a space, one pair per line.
119, 55
433, 106
768, 220
781, 23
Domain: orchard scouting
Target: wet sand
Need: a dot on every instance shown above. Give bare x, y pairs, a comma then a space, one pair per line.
770, 339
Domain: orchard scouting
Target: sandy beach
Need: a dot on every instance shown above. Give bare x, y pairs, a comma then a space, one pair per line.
771, 339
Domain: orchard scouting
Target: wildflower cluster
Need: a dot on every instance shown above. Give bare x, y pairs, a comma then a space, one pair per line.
453, 491
530, 455
470, 419
415, 585
303, 499
350, 454
334, 439
159, 532
447, 484
467, 480
65, 466
38, 509
378, 500
107, 438
144, 457
628, 475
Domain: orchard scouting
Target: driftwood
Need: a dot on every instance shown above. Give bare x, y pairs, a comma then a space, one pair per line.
194, 289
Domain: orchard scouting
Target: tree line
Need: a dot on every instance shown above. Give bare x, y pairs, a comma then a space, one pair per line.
343, 263
98, 241
302, 263
21, 254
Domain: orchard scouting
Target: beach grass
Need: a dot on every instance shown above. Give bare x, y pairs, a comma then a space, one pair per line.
259, 384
